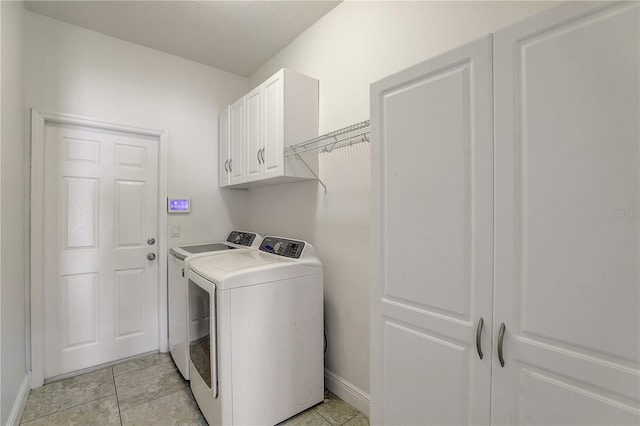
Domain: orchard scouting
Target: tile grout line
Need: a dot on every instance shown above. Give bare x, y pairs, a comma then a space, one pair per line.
113, 374
151, 400
97, 398
68, 408
350, 419
138, 370
329, 421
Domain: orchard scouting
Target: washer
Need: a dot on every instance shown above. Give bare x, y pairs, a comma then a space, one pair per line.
256, 357
179, 258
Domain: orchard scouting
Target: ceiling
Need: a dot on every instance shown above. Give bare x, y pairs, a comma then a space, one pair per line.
235, 36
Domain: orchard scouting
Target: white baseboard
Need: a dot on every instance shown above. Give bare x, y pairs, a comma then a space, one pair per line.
347, 392
21, 401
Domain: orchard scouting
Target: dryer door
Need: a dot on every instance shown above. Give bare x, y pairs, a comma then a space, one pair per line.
202, 331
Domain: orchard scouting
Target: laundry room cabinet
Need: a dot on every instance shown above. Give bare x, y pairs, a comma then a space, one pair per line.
279, 112
511, 167
224, 155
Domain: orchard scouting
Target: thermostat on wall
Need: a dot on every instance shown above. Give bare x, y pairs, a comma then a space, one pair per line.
179, 205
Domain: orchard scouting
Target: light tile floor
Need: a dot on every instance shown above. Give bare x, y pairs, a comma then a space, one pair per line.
148, 391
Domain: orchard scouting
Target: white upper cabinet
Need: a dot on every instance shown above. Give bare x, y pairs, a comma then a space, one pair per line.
517, 202
272, 151
223, 148
279, 112
237, 142
253, 133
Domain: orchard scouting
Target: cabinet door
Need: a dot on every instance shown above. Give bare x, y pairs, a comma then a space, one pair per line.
223, 148
253, 129
567, 204
432, 239
273, 92
237, 142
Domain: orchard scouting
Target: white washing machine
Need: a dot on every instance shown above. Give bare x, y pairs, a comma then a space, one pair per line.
179, 258
256, 358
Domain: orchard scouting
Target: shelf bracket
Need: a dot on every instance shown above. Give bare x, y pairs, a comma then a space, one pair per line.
299, 157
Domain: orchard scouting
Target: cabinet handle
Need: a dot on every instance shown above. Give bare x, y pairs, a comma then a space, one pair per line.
500, 340
479, 337
258, 155
225, 166
230, 170
263, 155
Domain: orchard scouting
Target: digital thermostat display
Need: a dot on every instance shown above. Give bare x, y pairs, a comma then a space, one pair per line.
179, 205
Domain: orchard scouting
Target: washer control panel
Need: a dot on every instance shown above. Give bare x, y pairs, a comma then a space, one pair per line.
241, 238
282, 247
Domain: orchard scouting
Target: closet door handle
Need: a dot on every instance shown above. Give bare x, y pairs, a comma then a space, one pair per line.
500, 340
263, 155
258, 155
479, 337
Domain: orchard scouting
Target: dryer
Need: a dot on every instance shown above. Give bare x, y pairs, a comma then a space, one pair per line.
257, 355
179, 258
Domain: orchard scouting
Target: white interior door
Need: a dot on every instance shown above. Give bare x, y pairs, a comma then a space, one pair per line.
100, 208
567, 205
432, 241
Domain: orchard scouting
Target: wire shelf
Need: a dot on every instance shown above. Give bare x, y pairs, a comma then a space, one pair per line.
350, 135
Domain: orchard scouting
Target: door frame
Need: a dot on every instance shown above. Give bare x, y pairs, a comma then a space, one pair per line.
39, 119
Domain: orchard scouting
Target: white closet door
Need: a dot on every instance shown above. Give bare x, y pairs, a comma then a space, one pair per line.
432, 241
567, 204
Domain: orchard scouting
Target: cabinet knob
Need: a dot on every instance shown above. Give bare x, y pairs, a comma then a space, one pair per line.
151, 256
500, 341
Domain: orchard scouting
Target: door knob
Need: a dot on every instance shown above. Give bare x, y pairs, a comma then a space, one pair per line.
151, 241
151, 256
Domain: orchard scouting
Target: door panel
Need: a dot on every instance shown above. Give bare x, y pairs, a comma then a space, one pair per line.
567, 203
446, 370
237, 142
80, 210
253, 129
273, 126
433, 240
80, 308
101, 292
223, 148
130, 295
130, 214
443, 151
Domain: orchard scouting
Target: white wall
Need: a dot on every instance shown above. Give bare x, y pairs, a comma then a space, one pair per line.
13, 263
353, 45
73, 70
